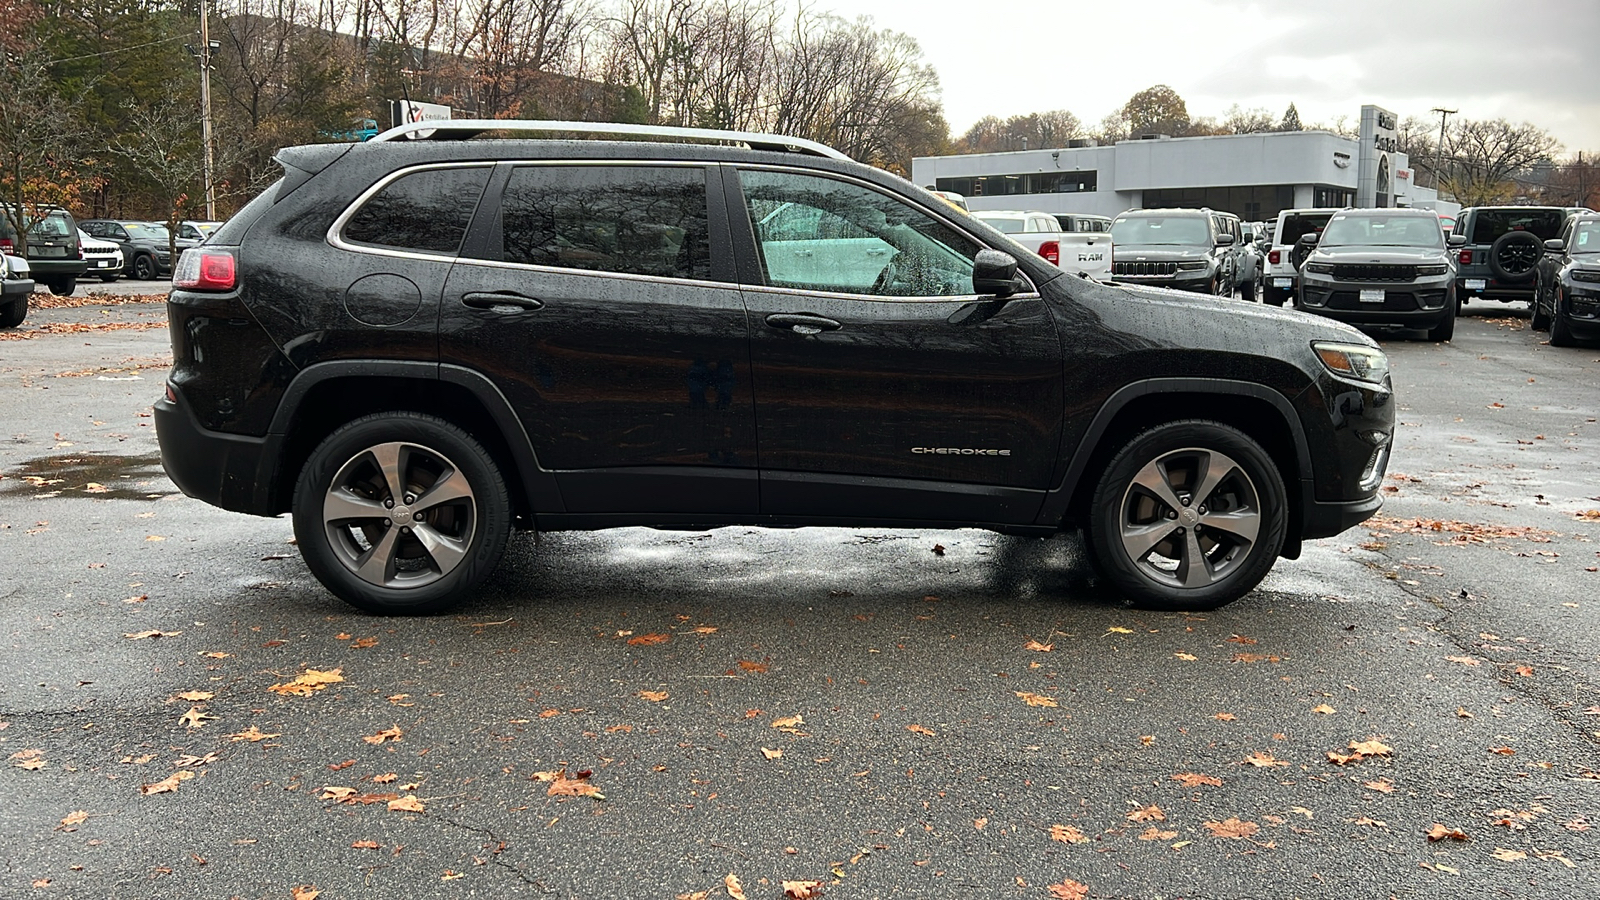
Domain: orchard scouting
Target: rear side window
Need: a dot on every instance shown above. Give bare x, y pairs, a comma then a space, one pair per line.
1489, 224
636, 220
1296, 227
426, 210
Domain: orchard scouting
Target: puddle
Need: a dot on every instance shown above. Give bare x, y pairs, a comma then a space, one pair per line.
92, 475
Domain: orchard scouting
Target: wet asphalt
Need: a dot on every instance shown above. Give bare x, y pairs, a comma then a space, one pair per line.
857, 708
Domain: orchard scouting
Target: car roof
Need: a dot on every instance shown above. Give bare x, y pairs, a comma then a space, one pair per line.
1402, 212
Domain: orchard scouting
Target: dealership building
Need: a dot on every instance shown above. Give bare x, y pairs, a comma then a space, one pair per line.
1251, 175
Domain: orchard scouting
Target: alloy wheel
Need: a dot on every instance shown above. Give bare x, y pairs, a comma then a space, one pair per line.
1189, 518
400, 515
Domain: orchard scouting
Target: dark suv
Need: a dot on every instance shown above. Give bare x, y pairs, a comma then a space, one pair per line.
1381, 267
53, 251
1187, 249
413, 346
146, 246
1568, 302
1503, 246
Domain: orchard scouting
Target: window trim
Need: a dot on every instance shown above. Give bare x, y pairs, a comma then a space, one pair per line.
335, 236
739, 210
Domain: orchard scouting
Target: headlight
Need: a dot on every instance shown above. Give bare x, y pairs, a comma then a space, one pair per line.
1193, 266
1432, 270
1585, 275
1356, 361
1320, 268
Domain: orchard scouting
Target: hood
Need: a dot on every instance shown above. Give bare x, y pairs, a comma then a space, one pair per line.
1391, 255
1158, 252
1226, 324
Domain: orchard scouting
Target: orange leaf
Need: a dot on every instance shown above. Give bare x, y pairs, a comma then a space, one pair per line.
1155, 834
1036, 699
195, 696
920, 729
562, 786
1525, 671
1193, 779
749, 666
168, 784
1324, 709
408, 803
1343, 759
309, 681
980, 823
1381, 786
646, 640
365, 845
1503, 751
388, 734
365, 642
1232, 828
1037, 647
76, 817
1241, 639
1225, 717
1150, 813
788, 723
1464, 660
1066, 834
1068, 889
1261, 759
802, 890
384, 778
653, 696
772, 752
1438, 833
1370, 747
735, 889
304, 892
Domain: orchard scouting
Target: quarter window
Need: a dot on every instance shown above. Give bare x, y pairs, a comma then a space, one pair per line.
426, 211
824, 235
638, 220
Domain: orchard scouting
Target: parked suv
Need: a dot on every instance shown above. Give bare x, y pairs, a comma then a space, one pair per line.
1568, 300
146, 246
1188, 249
414, 346
1283, 263
1382, 267
52, 248
104, 258
1503, 245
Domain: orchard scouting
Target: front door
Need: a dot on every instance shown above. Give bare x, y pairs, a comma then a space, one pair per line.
885, 388
601, 302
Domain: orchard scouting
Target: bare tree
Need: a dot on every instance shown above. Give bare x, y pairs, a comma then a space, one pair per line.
505, 48
1486, 156
41, 141
164, 147
1238, 120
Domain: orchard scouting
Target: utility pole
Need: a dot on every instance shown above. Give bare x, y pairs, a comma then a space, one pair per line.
1438, 163
206, 49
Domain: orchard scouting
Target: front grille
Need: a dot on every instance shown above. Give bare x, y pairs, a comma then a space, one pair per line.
1393, 301
99, 251
1373, 272
1144, 268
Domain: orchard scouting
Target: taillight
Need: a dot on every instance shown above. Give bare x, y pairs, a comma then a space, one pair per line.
1465, 257
1051, 251
1275, 257
80, 250
6, 246
205, 270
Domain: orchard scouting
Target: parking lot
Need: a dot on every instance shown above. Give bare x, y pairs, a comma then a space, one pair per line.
1409, 710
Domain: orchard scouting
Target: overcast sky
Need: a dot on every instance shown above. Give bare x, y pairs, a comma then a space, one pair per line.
1531, 60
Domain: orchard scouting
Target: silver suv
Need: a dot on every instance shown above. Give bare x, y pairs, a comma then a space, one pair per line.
1186, 249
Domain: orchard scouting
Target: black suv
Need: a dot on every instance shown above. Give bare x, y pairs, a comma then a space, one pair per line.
1187, 249
1503, 245
1568, 301
53, 251
146, 246
414, 346
1381, 267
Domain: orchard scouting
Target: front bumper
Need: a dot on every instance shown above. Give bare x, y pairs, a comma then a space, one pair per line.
1322, 519
231, 471
1418, 303
11, 288
1579, 308
103, 265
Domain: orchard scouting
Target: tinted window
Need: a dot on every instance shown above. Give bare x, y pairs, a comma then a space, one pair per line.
859, 241
1489, 224
427, 210
1296, 226
639, 220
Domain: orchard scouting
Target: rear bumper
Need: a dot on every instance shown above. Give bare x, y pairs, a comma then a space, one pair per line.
231, 471
56, 268
1494, 289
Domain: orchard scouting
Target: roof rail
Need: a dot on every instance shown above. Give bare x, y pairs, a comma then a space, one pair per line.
460, 129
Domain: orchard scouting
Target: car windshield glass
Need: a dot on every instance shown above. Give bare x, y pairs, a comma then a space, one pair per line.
1004, 224
1296, 227
1586, 239
140, 232
1490, 224
1161, 230
1383, 231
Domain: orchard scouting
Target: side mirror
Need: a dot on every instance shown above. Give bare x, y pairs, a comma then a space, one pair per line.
1455, 240
1555, 245
994, 273
1224, 240
1309, 239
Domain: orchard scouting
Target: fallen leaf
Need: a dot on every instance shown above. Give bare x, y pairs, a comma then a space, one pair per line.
1241, 639
1066, 834
1464, 660
647, 640
1324, 709
308, 682
1461, 713
653, 696
735, 889
1382, 786
365, 845
1068, 889
1232, 828
168, 784
801, 890
252, 734
336, 794
749, 666
1225, 717
139, 599
1256, 657
1036, 699
408, 803
153, 633
306, 892
1370, 747
1343, 759
1525, 671
563, 786
76, 817
980, 823
1261, 759
1503, 751
41, 882
1151, 813
1192, 779
1118, 629
1505, 855
1187, 657
1438, 832
1155, 834
365, 643
385, 778
194, 718
705, 629
1375, 823
938, 549
194, 696
920, 729
772, 753
1037, 647
788, 722
388, 734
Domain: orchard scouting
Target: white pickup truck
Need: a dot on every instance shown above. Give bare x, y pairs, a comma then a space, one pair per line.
1080, 253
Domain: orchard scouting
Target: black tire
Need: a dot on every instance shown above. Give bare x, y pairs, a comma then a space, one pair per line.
1514, 256
1148, 560
1560, 331
63, 287
12, 314
1541, 319
347, 511
1250, 291
109, 278
144, 267
1446, 329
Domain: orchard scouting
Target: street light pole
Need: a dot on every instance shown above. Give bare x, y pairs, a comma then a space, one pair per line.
1438, 163
205, 111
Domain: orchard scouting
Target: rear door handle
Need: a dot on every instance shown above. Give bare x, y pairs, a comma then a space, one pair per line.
802, 323
509, 300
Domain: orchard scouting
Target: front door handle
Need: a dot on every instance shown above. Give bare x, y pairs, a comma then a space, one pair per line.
802, 323
508, 300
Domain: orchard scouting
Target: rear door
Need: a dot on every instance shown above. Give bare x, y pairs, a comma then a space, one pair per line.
896, 394
600, 300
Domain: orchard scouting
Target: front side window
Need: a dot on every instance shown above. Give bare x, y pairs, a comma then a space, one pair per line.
1586, 238
426, 211
637, 220
853, 240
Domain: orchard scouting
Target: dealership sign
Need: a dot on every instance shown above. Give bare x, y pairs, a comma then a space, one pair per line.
1374, 168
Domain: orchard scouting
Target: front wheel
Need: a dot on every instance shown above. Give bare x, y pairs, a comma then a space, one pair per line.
1541, 319
1446, 329
144, 268
1189, 515
12, 314
401, 514
1560, 331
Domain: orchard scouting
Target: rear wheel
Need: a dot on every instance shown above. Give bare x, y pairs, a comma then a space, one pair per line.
401, 514
62, 287
1189, 515
1250, 291
108, 278
12, 314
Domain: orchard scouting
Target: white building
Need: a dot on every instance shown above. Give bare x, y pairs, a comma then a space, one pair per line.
1251, 175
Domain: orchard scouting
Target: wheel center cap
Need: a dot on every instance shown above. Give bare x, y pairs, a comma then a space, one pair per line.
400, 515
1188, 516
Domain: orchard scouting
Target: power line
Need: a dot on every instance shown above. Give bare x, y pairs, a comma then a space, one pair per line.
66, 59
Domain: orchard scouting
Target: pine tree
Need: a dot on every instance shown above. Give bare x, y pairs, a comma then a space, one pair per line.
1291, 119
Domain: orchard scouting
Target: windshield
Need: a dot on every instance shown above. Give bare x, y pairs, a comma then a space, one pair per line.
1586, 239
139, 231
1180, 231
1003, 224
1346, 230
